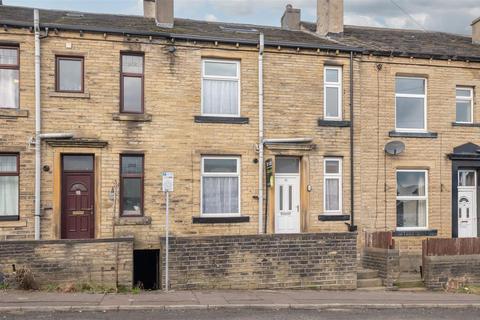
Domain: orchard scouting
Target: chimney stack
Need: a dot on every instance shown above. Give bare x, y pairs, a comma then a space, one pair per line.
291, 18
329, 16
476, 31
161, 10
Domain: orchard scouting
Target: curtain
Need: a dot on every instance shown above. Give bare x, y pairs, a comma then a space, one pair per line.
332, 195
220, 195
8, 195
9, 88
220, 97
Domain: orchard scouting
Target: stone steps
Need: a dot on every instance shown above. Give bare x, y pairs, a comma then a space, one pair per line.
369, 283
368, 279
409, 280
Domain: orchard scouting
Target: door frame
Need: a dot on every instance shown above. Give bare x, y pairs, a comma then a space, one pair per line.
93, 191
475, 195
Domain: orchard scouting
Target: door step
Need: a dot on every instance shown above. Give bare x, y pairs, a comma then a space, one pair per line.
409, 280
368, 279
369, 283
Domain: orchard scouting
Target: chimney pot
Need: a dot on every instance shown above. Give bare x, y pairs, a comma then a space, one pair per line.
476, 31
161, 10
291, 18
329, 16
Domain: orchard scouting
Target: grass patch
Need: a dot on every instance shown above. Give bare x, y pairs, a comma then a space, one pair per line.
470, 290
86, 287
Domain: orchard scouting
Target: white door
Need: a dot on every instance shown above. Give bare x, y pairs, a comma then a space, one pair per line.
287, 203
467, 204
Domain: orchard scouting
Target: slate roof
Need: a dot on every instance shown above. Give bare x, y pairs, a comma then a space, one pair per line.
380, 41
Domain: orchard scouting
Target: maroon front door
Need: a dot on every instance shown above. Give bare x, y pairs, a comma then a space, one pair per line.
78, 215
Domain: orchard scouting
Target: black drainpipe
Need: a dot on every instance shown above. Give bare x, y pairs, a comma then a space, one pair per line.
352, 227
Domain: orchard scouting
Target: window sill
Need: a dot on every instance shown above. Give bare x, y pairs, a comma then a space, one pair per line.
73, 95
333, 123
397, 134
333, 217
415, 233
133, 221
216, 220
226, 120
457, 124
141, 117
13, 113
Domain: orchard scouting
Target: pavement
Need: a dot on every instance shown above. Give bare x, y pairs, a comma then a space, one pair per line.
37, 301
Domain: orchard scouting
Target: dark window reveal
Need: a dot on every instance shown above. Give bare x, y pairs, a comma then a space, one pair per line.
131, 187
131, 87
69, 74
9, 77
9, 188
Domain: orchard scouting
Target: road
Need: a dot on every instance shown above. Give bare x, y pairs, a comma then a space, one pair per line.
245, 314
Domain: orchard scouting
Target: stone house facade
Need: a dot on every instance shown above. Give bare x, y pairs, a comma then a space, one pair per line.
133, 100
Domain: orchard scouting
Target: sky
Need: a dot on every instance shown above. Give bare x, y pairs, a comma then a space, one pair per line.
441, 15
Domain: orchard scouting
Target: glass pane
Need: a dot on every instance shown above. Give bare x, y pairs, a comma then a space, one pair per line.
464, 111
8, 196
466, 179
132, 196
332, 102
411, 213
10, 90
132, 64
464, 93
280, 199
220, 165
132, 165
287, 165
332, 166
220, 195
70, 75
78, 163
331, 75
410, 113
8, 56
410, 184
332, 194
410, 86
132, 94
220, 97
290, 198
8, 163
221, 69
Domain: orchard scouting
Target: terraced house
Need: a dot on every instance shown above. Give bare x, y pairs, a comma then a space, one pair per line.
303, 136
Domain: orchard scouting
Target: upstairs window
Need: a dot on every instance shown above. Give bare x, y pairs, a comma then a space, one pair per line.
69, 74
132, 83
411, 104
221, 88
464, 105
9, 77
131, 187
412, 199
220, 186
332, 93
332, 186
9, 188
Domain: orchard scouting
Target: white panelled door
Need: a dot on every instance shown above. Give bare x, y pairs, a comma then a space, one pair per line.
287, 203
467, 204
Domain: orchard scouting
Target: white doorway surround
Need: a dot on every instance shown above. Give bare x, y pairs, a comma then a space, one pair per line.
287, 195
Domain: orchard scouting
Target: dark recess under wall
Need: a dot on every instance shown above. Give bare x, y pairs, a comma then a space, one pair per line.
146, 269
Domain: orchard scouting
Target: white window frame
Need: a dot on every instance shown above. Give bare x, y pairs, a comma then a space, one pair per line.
221, 174
425, 172
339, 177
333, 85
209, 77
406, 95
464, 99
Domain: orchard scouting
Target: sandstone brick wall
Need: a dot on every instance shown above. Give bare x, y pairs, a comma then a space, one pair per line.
96, 262
322, 261
438, 271
386, 261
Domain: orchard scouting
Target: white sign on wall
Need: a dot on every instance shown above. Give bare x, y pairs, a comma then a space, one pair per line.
167, 182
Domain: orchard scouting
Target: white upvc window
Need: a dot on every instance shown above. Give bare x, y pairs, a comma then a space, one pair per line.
332, 93
412, 199
332, 185
220, 88
410, 104
464, 105
220, 186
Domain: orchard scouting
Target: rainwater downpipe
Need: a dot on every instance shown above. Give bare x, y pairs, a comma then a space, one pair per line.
352, 227
38, 124
260, 133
